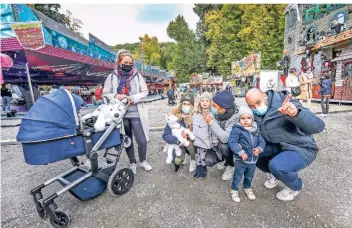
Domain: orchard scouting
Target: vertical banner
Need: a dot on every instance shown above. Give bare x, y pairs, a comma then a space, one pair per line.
29, 34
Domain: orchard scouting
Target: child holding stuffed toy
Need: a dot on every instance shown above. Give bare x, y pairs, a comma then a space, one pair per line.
204, 138
246, 143
183, 111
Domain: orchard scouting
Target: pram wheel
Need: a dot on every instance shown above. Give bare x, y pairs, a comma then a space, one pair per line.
127, 142
120, 181
63, 220
41, 212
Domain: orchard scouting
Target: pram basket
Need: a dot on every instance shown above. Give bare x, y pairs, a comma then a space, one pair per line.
46, 138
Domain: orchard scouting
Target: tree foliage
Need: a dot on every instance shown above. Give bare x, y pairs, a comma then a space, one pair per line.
239, 30
149, 50
188, 55
67, 19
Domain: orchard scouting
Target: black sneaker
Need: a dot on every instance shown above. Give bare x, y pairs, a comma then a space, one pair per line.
198, 172
177, 168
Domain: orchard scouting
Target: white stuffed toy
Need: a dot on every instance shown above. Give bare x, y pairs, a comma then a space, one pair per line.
107, 113
176, 130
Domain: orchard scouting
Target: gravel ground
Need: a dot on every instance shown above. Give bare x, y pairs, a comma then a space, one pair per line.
163, 198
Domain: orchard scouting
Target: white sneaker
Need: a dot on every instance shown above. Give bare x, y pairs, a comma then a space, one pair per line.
168, 160
249, 193
184, 161
192, 166
287, 194
235, 196
220, 165
228, 174
272, 182
145, 165
133, 166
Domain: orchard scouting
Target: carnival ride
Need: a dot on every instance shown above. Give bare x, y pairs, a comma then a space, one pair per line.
45, 52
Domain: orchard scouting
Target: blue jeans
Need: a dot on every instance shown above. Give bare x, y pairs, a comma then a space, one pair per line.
283, 165
243, 169
6, 102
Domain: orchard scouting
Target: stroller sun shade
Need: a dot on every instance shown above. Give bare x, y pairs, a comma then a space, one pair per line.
51, 117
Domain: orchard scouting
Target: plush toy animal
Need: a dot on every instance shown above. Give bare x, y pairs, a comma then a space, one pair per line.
176, 130
107, 113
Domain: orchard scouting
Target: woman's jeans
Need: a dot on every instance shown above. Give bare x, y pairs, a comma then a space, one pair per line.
325, 100
134, 127
6, 102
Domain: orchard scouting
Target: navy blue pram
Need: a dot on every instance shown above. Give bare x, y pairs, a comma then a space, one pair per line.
53, 131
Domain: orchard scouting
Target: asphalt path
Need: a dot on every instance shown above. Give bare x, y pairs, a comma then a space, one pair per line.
163, 198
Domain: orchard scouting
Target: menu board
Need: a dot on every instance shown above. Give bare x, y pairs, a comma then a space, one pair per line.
30, 35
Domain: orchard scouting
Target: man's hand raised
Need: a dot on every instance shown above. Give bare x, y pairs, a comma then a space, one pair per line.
288, 108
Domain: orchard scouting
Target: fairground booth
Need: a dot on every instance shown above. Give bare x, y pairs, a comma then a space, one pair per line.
45, 55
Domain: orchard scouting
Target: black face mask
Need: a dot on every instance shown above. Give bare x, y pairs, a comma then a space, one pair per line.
126, 68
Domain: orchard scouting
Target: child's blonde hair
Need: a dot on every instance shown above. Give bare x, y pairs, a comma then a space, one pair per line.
177, 111
205, 95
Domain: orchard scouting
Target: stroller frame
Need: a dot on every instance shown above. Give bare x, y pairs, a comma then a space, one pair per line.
118, 183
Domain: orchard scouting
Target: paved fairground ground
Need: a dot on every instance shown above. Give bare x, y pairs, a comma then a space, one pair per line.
163, 198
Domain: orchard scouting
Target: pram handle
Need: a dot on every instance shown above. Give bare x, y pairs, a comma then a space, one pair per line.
124, 100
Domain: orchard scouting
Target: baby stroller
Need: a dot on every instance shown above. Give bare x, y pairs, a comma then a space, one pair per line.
54, 130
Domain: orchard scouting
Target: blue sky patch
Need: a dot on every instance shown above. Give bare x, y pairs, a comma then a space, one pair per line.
158, 13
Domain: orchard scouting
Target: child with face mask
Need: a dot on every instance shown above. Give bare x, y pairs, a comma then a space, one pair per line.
184, 113
246, 143
205, 139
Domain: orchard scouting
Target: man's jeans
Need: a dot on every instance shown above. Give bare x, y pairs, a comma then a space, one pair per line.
228, 155
6, 102
283, 165
243, 169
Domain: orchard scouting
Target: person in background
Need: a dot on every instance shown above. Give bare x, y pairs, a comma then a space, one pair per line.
226, 115
127, 83
292, 80
6, 96
98, 95
306, 80
325, 92
170, 95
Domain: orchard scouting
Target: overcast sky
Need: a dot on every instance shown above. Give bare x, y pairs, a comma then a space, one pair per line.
119, 24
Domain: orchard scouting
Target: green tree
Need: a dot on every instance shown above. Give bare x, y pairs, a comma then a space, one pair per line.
188, 56
221, 31
73, 23
263, 31
166, 54
149, 48
133, 48
239, 30
52, 11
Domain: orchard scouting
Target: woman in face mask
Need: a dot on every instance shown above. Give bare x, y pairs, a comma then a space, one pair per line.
184, 113
127, 83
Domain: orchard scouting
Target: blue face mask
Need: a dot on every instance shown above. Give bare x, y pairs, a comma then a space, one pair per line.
214, 111
261, 110
185, 109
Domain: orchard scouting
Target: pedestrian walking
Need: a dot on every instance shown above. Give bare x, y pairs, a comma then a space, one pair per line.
6, 96
325, 92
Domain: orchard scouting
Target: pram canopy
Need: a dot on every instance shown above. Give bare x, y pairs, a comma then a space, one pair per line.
52, 116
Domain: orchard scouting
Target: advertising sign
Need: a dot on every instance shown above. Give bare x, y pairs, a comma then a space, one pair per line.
29, 34
249, 65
